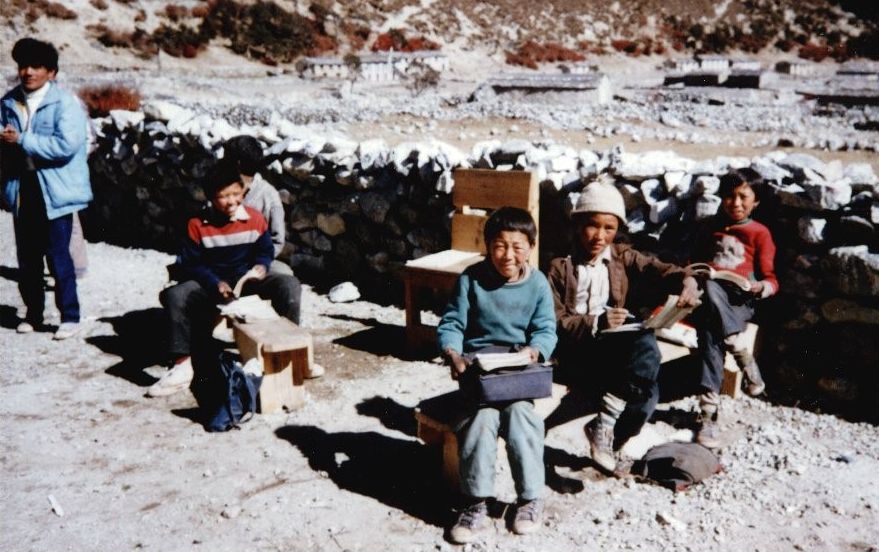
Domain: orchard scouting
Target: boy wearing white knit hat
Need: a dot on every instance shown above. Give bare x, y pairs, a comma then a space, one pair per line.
590, 290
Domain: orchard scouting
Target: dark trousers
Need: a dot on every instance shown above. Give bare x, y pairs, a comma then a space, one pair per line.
192, 309
724, 311
625, 364
38, 238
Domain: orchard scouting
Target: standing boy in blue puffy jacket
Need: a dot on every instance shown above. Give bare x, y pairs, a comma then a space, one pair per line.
45, 180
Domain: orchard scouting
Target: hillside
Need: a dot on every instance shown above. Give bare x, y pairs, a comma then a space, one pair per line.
127, 32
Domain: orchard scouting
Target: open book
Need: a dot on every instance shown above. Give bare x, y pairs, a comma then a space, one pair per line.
715, 274
493, 361
664, 316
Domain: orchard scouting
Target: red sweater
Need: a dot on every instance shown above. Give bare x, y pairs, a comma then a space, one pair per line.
745, 248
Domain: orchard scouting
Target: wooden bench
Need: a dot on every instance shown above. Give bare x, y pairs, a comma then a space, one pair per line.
286, 353
476, 192
435, 417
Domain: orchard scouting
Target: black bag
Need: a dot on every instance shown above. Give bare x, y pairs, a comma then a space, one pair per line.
238, 404
515, 383
677, 465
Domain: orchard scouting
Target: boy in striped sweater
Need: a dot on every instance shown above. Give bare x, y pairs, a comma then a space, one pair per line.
223, 244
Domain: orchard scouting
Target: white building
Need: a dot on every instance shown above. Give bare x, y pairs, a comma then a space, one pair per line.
796, 68
378, 67
714, 63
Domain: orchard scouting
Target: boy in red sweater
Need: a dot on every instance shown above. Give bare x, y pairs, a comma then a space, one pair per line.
223, 244
732, 241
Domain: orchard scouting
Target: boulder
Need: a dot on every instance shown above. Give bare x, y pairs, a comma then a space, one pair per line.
331, 224
344, 293
838, 311
811, 229
852, 270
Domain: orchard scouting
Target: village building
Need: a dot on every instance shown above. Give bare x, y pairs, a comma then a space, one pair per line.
378, 67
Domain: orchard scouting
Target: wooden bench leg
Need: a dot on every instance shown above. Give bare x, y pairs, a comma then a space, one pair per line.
278, 389
450, 460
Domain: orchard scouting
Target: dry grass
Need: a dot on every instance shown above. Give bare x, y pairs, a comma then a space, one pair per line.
100, 100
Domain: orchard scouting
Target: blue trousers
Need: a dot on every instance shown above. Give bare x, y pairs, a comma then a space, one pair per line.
724, 312
38, 238
522, 430
623, 363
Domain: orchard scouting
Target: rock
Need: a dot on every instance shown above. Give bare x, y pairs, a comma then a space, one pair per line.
663, 210
675, 179
838, 388
832, 196
632, 196
165, 111
231, 512
122, 119
861, 173
331, 224
769, 171
842, 310
666, 519
344, 293
641, 166
811, 229
707, 185
652, 191
706, 206
854, 230
852, 270
636, 221
374, 206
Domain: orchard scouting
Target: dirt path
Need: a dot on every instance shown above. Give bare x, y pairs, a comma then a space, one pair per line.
346, 472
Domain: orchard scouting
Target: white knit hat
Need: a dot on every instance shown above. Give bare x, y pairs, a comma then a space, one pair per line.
601, 196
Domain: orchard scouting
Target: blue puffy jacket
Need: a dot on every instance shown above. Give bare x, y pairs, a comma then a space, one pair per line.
57, 144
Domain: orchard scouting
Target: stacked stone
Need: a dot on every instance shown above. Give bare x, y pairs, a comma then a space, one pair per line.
357, 211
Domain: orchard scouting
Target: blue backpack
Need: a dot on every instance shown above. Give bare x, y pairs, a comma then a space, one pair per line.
239, 403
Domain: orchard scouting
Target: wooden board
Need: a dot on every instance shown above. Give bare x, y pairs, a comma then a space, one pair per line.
487, 188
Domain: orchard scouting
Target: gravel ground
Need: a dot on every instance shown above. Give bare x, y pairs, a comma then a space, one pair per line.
346, 472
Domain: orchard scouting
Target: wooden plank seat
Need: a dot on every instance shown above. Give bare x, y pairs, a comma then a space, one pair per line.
436, 416
286, 353
477, 192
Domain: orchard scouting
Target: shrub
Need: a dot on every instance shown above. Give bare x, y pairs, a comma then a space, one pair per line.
174, 12
814, 52
531, 53
59, 11
180, 41
99, 4
99, 100
396, 40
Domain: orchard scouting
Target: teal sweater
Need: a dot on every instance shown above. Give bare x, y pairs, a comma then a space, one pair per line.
486, 310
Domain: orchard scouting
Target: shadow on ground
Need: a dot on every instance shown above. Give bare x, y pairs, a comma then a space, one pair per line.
390, 413
8, 317
379, 339
400, 473
138, 340
9, 273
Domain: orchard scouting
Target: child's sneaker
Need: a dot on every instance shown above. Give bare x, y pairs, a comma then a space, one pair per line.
471, 521
25, 328
176, 379
600, 436
752, 373
67, 330
708, 434
528, 517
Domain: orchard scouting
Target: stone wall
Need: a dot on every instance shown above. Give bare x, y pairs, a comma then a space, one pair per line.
358, 211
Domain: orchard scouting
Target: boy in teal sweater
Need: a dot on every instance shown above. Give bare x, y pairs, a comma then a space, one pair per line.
501, 301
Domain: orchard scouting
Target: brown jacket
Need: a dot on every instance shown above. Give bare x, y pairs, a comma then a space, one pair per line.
626, 265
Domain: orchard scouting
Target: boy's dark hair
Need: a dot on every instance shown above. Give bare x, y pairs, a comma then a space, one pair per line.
30, 52
222, 175
246, 152
733, 179
509, 219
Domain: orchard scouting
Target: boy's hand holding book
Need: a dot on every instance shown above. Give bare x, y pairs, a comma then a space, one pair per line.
225, 291
457, 364
690, 294
757, 288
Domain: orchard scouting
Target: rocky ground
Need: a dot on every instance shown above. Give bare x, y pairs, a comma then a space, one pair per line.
346, 472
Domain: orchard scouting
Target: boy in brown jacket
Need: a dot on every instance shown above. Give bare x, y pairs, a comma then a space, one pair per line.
590, 289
